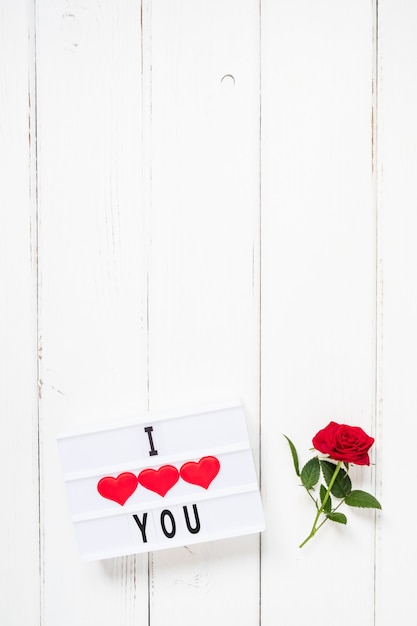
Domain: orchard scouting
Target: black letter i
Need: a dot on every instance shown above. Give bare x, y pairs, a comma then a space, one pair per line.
149, 429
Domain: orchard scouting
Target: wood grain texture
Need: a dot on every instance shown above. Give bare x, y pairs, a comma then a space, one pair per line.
93, 317
397, 225
203, 202
204, 265
318, 294
19, 531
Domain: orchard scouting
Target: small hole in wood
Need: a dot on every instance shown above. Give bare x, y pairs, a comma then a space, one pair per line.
228, 81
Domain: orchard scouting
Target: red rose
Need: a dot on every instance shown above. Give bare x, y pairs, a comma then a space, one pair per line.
344, 443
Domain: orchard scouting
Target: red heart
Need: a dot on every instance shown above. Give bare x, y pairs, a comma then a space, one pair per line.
161, 480
201, 473
118, 489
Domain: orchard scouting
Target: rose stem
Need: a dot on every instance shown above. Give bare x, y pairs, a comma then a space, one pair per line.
323, 504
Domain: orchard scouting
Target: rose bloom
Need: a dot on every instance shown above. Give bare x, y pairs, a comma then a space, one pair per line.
344, 443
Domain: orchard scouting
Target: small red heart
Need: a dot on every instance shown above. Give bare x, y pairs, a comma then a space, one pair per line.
201, 473
161, 480
118, 489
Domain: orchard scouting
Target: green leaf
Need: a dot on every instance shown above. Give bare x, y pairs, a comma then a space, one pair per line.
340, 518
294, 455
342, 485
310, 473
362, 499
328, 505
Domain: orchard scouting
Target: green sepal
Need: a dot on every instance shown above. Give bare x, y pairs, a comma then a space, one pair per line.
340, 518
310, 473
362, 499
294, 455
342, 486
328, 506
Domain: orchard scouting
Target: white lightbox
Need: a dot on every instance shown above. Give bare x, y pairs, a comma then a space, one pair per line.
161, 481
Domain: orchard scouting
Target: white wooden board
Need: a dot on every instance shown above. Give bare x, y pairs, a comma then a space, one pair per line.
204, 200
19, 522
397, 228
93, 297
318, 294
204, 264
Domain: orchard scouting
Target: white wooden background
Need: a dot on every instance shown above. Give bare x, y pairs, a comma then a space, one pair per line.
202, 200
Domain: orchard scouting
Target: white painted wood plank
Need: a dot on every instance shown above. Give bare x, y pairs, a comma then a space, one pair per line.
204, 267
93, 278
318, 295
19, 535
397, 175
